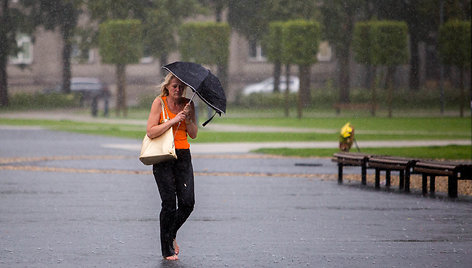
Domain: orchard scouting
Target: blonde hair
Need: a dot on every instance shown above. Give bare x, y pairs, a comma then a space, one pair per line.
163, 86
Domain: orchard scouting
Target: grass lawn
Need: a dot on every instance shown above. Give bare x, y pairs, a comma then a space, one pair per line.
453, 152
367, 129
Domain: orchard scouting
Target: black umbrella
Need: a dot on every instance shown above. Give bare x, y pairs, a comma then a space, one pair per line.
202, 82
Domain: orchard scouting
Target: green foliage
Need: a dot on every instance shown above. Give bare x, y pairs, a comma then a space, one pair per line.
389, 42
361, 42
120, 41
251, 18
301, 40
454, 43
326, 98
205, 42
273, 42
248, 17
23, 101
159, 32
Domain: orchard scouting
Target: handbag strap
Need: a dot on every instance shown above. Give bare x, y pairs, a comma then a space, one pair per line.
165, 115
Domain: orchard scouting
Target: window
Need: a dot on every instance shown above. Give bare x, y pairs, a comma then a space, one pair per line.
324, 52
256, 52
82, 55
147, 56
25, 53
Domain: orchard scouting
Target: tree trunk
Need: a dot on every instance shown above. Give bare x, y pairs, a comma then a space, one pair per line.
390, 87
461, 86
373, 71
287, 90
344, 77
163, 59
121, 90
4, 50
414, 63
66, 54
222, 71
277, 72
3, 80
304, 95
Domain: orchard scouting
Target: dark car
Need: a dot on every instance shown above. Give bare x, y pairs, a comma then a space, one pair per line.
89, 88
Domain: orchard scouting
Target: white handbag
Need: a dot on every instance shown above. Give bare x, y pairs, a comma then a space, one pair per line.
161, 148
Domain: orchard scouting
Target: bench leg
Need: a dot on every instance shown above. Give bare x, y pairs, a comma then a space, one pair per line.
377, 178
340, 173
424, 184
387, 179
364, 174
401, 184
407, 181
452, 186
432, 184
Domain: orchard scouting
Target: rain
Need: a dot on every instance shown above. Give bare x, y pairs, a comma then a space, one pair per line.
333, 133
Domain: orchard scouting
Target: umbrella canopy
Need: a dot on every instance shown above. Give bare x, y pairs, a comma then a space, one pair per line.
206, 85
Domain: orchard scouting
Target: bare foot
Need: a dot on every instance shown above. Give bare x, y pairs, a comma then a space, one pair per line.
172, 258
176, 248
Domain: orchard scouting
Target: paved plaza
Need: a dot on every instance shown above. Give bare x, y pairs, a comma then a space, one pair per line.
74, 200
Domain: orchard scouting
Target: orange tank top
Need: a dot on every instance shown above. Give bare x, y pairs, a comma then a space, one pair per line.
180, 139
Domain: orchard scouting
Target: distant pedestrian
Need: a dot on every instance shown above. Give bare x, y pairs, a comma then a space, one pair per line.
174, 178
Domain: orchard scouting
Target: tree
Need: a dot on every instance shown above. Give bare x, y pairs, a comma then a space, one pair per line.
13, 20
217, 6
206, 43
274, 52
362, 47
252, 19
7, 41
300, 42
423, 19
455, 50
389, 41
119, 37
62, 14
338, 19
120, 43
161, 22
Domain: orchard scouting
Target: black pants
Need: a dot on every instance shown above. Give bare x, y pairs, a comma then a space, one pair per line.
174, 180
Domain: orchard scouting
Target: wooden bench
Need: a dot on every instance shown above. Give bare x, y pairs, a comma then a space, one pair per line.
351, 159
453, 170
391, 163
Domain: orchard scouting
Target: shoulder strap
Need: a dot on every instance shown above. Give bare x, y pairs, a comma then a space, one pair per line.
165, 115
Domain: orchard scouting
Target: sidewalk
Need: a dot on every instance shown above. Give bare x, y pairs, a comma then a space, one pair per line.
81, 204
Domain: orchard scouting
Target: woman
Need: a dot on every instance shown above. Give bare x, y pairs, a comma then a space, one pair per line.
174, 178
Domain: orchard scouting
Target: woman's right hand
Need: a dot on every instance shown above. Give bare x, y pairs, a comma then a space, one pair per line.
179, 117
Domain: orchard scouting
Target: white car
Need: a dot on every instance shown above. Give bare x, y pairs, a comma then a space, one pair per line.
267, 86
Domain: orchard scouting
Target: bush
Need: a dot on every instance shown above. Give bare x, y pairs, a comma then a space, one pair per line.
23, 101
325, 98
454, 43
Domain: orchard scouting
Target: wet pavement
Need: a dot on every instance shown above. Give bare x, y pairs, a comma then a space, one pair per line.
68, 200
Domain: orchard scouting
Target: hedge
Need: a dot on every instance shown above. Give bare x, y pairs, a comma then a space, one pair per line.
205, 42
389, 42
120, 41
454, 43
301, 40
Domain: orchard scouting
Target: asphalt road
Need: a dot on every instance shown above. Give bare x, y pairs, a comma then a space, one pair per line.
67, 200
